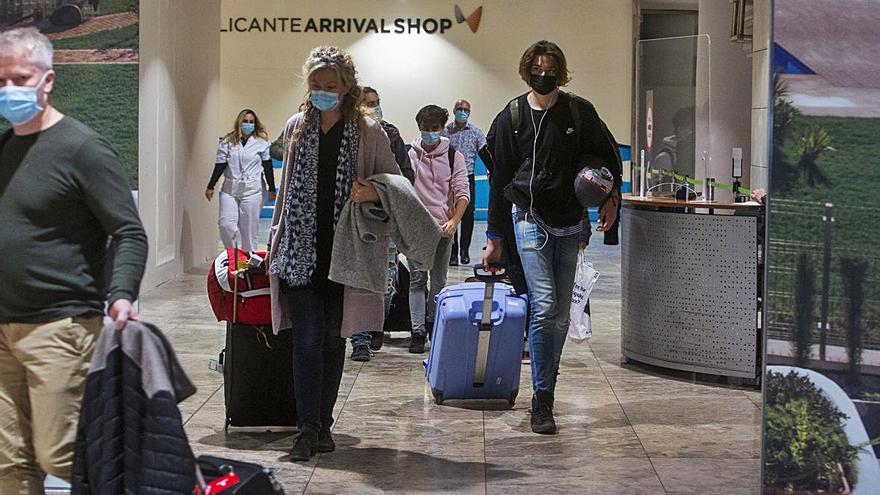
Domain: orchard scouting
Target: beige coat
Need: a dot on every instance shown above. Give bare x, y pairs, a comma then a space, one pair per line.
362, 309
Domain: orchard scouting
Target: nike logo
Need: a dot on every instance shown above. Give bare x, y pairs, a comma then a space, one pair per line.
569, 130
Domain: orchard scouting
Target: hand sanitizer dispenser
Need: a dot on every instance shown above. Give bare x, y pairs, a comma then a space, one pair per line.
736, 159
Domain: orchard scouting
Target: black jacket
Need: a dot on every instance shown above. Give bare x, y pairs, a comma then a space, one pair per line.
399, 149
549, 188
130, 437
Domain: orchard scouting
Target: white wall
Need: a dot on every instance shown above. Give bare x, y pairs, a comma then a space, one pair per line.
261, 70
761, 81
179, 91
731, 95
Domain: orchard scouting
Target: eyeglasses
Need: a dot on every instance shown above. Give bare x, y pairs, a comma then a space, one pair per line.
462, 109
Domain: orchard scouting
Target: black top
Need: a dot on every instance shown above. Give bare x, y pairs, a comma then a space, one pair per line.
561, 149
62, 193
328, 161
401, 156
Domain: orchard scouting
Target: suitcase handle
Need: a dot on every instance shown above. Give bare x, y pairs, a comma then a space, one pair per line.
486, 276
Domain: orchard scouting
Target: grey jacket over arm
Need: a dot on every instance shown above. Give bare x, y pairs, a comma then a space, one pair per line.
360, 247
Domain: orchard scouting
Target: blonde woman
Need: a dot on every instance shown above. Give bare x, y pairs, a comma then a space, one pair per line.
329, 150
243, 159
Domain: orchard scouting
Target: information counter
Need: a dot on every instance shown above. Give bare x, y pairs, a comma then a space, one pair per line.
689, 286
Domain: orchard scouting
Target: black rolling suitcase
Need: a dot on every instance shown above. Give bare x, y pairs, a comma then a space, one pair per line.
258, 376
230, 477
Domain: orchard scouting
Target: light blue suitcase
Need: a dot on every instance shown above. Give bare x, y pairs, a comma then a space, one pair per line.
477, 341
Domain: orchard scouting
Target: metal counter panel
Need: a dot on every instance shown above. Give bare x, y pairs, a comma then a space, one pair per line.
689, 291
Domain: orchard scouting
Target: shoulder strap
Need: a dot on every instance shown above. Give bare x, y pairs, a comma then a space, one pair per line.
5, 137
513, 107
576, 116
451, 158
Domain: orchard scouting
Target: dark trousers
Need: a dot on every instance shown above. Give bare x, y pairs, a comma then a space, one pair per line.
318, 353
467, 223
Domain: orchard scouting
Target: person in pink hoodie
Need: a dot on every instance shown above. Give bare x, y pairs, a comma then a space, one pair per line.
443, 189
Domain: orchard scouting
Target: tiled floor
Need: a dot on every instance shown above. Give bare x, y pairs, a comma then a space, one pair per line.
623, 429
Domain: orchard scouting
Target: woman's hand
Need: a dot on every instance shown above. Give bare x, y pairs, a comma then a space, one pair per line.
363, 192
209, 193
272, 196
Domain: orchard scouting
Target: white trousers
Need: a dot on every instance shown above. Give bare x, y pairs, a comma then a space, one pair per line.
240, 215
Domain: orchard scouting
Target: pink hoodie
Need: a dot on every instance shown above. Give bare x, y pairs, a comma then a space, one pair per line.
437, 188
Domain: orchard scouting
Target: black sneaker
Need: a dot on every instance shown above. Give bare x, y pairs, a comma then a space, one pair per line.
361, 353
453, 261
305, 444
376, 340
465, 259
417, 343
542, 416
325, 441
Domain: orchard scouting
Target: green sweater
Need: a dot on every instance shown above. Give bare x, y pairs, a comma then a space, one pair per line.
62, 193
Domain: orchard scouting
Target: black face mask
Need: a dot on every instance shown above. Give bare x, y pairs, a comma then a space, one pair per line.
542, 84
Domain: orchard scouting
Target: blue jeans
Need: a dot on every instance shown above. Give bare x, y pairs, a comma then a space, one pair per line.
363, 338
549, 264
318, 353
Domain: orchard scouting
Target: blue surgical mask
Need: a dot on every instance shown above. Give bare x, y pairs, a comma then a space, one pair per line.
323, 100
18, 104
430, 138
377, 111
461, 117
247, 129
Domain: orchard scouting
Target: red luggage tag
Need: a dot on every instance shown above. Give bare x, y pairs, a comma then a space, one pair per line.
221, 484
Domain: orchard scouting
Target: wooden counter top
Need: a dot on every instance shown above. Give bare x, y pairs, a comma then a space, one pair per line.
676, 203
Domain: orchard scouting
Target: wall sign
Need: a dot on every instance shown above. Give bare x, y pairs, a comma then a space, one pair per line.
345, 25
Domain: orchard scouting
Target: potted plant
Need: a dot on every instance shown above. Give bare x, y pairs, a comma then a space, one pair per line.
868, 406
805, 448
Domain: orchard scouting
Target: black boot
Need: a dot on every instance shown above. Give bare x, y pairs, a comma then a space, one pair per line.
376, 340
325, 441
305, 444
542, 414
417, 343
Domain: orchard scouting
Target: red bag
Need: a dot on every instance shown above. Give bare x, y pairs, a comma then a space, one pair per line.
252, 305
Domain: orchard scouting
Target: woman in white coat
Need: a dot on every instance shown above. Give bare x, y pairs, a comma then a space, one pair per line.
243, 160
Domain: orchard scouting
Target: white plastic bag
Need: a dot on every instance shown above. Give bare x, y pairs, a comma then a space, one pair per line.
580, 328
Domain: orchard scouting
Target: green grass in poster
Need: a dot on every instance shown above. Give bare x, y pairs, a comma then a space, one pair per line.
114, 6
126, 37
854, 178
796, 223
104, 97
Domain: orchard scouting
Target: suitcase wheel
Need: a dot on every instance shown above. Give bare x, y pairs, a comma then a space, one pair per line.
512, 399
438, 396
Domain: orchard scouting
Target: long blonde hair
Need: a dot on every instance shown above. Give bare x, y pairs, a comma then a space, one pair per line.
236, 136
332, 57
